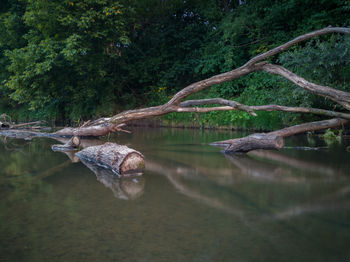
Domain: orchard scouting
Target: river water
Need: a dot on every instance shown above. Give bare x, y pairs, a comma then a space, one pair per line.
191, 204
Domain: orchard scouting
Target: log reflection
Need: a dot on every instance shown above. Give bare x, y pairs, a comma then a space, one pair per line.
265, 200
127, 188
278, 168
334, 201
295, 163
174, 174
254, 168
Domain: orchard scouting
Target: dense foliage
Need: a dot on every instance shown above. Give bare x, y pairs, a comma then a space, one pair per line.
77, 59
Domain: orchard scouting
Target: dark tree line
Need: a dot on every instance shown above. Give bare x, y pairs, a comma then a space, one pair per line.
76, 60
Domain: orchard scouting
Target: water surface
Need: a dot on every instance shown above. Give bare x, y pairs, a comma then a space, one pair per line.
192, 204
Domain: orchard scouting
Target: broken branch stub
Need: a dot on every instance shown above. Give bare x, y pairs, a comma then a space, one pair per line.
72, 144
122, 160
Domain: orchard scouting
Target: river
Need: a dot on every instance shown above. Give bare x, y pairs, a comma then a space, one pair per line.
192, 203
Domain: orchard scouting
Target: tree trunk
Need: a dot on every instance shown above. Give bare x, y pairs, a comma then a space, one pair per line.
274, 140
252, 142
120, 159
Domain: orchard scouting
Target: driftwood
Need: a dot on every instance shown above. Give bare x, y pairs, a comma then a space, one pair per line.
274, 140
120, 159
9, 125
252, 142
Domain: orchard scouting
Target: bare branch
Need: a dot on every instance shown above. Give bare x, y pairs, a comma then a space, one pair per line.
233, 105
217, 79
104, 126
338, 96
299, 39
311, 126
274, 140
26, 124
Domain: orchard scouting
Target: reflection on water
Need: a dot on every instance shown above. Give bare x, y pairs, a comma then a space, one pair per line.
124, 187
192, 204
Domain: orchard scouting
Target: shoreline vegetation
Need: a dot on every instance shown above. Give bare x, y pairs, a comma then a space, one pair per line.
74, 60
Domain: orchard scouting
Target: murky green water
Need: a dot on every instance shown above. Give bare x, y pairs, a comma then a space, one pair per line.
192, 203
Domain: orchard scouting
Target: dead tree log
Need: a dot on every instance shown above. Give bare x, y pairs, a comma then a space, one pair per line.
120, 159
274, 140
252, 142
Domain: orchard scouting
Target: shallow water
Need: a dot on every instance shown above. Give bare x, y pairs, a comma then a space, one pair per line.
192, 204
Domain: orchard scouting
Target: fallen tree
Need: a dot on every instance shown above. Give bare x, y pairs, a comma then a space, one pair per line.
104, 126
274, 139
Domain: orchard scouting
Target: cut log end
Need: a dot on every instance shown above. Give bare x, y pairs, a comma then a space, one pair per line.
72, 144
133, 163
279, 142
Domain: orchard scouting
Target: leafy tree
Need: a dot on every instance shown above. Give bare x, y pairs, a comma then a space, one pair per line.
66, 67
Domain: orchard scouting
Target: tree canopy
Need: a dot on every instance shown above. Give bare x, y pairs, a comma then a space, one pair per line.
71, 60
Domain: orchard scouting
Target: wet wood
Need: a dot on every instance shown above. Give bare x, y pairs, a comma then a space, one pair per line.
252, 142
274, 140
120, 159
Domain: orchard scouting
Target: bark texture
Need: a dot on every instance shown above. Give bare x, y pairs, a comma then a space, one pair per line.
120, 159
252, 142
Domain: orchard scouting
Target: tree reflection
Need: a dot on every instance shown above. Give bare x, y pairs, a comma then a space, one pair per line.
284, 186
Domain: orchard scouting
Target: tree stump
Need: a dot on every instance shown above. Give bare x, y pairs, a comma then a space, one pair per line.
122, 160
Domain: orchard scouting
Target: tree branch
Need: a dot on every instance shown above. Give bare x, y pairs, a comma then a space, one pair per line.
299, 39
104, 126
274, 140
233, 105
338, 96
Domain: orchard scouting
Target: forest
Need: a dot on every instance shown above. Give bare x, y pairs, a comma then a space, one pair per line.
69, 61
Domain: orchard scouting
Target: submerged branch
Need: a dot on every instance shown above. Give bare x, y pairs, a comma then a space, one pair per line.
274, 140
